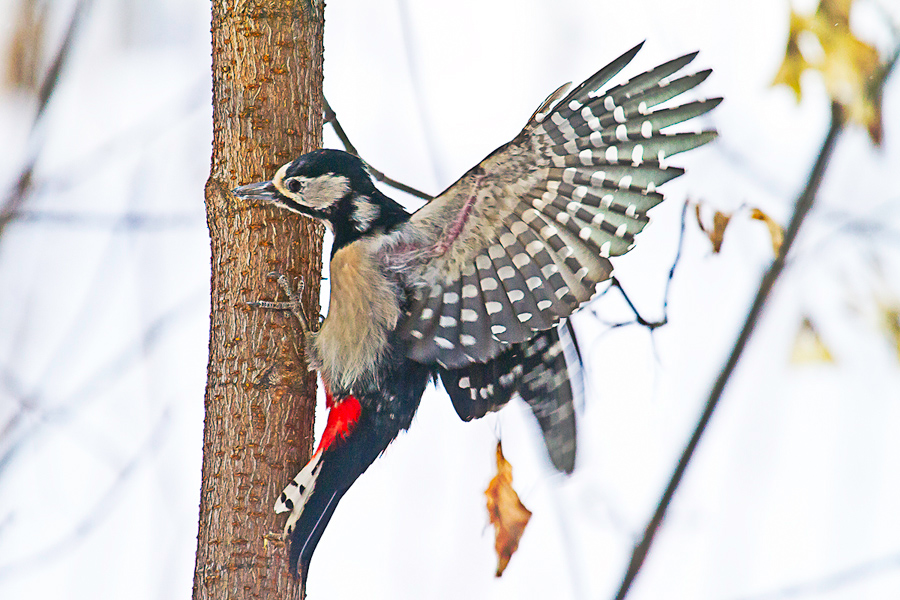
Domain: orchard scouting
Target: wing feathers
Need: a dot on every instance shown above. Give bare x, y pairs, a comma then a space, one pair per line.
531, 228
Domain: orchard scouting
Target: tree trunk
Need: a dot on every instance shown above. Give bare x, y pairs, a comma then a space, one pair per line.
260, 400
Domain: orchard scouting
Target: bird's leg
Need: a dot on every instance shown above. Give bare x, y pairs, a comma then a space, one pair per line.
293, 303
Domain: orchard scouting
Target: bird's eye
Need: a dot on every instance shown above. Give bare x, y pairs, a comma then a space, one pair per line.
293, 185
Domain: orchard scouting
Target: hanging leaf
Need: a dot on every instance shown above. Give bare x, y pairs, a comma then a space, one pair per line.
775, 230
809, 347
507, 513
715, 233
851, 68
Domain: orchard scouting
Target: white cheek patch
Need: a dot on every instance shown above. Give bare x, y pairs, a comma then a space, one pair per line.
323, 191
364, 213
317, 193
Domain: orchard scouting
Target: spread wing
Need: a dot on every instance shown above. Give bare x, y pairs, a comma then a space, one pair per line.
522, 239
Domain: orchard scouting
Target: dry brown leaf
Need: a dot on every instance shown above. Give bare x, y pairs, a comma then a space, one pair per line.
851, 68
890, 323
775, 230
716, 233
507, 513
809, 347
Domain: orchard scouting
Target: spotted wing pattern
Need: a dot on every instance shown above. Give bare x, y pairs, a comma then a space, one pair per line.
523, 239
538, 372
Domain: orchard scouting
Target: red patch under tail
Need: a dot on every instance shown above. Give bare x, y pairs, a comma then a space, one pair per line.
342, 418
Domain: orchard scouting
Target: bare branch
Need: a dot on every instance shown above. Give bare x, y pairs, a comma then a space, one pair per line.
331, 117
802, 208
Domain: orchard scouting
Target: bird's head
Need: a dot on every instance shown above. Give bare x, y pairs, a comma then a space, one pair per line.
331, 186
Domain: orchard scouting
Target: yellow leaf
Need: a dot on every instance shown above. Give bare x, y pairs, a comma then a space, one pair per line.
890, 323
851, 68
809, 347
716, 233
775, 230
507, 513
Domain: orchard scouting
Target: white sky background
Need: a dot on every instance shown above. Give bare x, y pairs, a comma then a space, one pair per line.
103, 322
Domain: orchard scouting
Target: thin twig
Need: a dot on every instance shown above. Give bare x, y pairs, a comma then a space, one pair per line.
638, 318
804, 203
331, 117
20, 190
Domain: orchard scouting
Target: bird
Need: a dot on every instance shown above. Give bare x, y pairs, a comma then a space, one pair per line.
476, 287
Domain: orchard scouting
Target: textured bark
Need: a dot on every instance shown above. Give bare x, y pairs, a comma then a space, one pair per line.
267, 92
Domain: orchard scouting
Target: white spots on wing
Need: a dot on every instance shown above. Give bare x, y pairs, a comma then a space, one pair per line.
597, 178
468, 269
642, 108
464, 382
482, 262
529, 215
561, 292
612, 154
569, 175
447, 321
646, 129
498, 329
524, 317
563, 218
469, 291
586, 157
607, 200
579, 193
593, 123
622, 133
427, 313
521, 259
444, 343
533, 283
549, 269
609, 103
619, 114
496, 252
506, 272
625, 182
467, 340
451, 298
507, 239
598, 219
493, 307
605, 248
416, 334
596, 139
585, 233
507, 379
574, 105
621, 229
544, 304
515, 295
548, 231
637, 154
566, 252
488, 284
534, 247
581, 273
518, 228
631, 210
468, 315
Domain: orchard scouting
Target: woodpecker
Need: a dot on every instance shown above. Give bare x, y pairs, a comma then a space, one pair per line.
474, 288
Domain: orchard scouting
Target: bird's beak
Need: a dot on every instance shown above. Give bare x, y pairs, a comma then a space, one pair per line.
263, 190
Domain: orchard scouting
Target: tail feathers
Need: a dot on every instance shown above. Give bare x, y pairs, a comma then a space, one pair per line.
355, 435
537, 370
